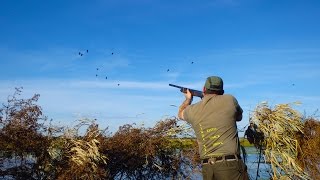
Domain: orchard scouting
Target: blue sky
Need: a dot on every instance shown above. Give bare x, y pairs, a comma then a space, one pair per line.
265, 50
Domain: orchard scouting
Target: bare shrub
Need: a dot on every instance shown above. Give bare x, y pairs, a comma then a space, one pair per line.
37, 150
21, 136
150, 153
309, 157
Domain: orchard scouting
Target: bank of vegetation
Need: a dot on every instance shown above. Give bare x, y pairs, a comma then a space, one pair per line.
33, 148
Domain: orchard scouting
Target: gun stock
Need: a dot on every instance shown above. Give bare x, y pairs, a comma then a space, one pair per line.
184, 90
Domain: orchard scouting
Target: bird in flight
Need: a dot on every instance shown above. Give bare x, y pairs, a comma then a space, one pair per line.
87, 50
139, 114
111, 50
168, 70
192, 62
118, 84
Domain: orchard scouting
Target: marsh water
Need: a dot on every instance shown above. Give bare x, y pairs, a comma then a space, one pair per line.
256, 170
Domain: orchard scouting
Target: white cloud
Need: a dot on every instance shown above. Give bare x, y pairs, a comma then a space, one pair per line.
61, 100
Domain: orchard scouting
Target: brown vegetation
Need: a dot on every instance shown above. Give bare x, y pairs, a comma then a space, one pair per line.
309, 158
32, 148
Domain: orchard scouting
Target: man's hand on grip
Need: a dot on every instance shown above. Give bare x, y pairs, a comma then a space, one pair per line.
188, 94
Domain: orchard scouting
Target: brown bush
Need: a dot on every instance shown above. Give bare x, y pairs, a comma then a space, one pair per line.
309, 157
148, 153
44, 151
21, 134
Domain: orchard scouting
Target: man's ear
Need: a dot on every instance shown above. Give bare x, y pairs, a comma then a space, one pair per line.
204, 90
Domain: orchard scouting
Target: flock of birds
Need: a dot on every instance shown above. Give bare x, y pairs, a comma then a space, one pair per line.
112, 53
87, 51
106, 77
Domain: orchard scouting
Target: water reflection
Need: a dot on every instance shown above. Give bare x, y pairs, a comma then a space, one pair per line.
252, 164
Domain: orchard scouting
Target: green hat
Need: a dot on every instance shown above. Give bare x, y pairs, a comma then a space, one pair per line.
214, 83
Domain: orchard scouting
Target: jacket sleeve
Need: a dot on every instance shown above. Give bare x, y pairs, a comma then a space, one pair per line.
238, 109
187, 113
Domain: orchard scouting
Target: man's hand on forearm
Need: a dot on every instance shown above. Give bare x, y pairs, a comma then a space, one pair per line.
185, 104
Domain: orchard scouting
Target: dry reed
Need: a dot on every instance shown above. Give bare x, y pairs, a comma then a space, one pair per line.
281, 126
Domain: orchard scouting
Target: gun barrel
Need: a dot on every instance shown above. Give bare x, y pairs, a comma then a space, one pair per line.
184, 90
175, 86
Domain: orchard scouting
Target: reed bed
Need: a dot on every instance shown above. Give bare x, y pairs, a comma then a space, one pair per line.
281, 126
81, 153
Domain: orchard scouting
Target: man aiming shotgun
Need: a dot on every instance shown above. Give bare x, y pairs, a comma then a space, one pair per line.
214, 122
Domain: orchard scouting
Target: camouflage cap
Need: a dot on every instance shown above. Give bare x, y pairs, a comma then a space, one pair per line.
214, 83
